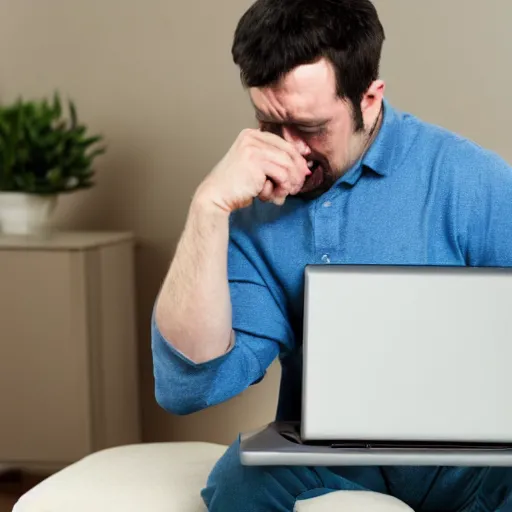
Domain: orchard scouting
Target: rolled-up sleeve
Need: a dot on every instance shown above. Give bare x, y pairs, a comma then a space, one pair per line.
261, 331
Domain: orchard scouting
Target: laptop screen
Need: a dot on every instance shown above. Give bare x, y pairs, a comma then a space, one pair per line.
417, 354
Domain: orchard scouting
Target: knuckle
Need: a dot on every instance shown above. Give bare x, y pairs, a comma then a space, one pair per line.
245, 137
248, 151
285, 182
246, 132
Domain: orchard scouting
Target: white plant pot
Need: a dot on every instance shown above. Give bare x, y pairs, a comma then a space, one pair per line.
26, 214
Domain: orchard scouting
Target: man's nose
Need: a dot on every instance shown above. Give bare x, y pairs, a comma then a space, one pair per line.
290, 135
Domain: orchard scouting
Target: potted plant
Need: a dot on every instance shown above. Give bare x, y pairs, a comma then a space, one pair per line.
42, 154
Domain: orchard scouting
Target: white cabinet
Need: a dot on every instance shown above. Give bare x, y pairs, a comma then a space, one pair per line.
68, 352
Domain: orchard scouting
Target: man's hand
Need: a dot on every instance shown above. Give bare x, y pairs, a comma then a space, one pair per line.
258, 164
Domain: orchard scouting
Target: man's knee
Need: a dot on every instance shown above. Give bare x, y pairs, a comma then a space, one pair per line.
232, 486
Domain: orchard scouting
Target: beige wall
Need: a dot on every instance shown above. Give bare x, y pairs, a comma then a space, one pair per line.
449, 62
156, 78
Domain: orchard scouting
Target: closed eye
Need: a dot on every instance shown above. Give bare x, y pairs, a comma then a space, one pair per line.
310, 129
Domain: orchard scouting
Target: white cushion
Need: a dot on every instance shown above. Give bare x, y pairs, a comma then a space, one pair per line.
352, 501
161, 477
157, 477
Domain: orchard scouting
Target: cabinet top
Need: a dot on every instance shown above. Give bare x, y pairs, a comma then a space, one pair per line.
65, 240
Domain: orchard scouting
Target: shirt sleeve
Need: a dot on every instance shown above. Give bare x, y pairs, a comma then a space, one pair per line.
490, 218
261, 331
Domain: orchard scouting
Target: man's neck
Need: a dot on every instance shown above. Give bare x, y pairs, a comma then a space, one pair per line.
372, 133
369, 136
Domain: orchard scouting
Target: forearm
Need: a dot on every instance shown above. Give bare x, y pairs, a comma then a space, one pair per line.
193, 309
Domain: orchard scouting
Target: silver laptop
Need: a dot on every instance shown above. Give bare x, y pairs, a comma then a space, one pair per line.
402, 365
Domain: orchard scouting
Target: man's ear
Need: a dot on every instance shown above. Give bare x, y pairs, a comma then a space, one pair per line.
373, 97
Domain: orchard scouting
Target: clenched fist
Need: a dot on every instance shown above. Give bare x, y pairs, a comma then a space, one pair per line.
258, 164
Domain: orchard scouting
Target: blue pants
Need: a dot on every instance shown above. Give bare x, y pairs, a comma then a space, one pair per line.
232, 487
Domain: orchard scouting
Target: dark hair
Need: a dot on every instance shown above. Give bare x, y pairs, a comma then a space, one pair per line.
275, 36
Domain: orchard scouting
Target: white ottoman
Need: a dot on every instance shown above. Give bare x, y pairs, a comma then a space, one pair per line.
160, 477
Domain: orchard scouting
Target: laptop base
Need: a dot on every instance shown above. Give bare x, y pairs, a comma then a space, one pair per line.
278, 444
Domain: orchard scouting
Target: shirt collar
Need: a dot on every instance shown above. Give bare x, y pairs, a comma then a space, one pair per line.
381, 156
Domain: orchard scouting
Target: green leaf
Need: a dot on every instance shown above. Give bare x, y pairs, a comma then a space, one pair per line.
91, 140
57, 106
97, 152
72, 113
54, 176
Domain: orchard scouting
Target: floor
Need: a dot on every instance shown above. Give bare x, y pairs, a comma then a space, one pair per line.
13, 485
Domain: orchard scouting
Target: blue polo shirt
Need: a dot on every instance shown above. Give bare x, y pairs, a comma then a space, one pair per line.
420, 195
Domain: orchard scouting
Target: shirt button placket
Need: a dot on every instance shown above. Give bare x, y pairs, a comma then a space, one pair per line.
326, 230
325, 258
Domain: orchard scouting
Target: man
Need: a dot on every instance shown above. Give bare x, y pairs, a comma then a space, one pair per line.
334, 175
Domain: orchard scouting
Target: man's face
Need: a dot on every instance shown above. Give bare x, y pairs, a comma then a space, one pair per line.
305, 110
